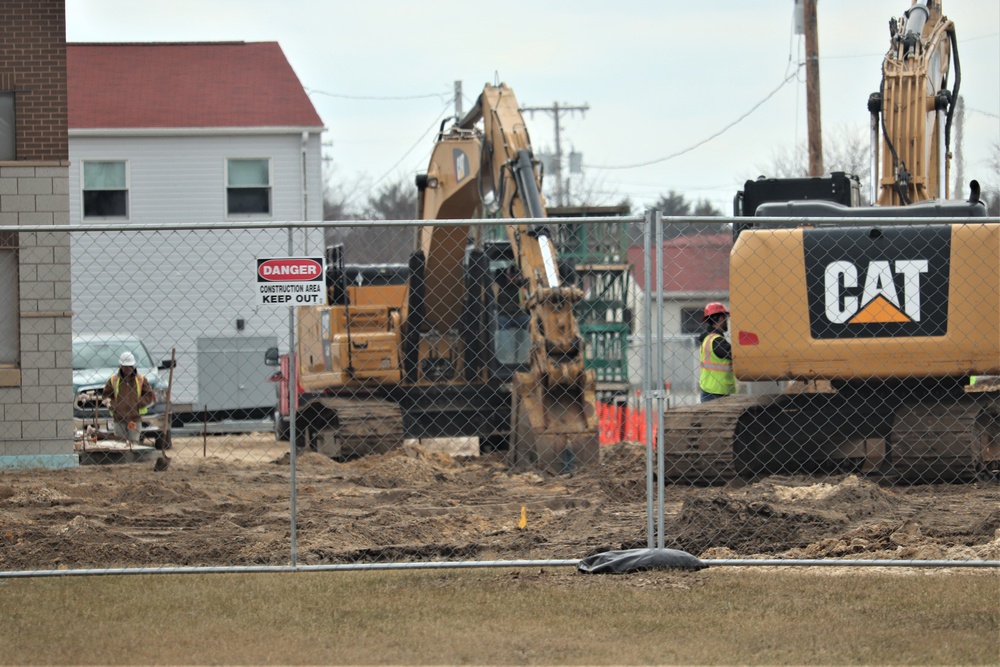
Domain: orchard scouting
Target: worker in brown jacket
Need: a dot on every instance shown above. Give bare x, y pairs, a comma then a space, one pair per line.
129, 397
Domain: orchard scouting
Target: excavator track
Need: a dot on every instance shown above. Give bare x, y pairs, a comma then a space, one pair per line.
946, 442
698, 439
348, 428
916, 442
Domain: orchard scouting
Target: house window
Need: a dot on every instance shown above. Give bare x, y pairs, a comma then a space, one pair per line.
105, 190
8, 130
248, 187
691, 320
9, 305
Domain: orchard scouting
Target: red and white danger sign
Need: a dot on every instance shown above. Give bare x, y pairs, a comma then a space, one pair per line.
291, 281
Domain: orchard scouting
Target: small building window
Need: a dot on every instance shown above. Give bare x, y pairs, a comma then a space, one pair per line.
248, 187
10, 306
691, 320
105, 190
8, 128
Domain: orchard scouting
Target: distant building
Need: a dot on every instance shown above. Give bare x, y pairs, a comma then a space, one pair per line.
36, 391
695, 271
165, 133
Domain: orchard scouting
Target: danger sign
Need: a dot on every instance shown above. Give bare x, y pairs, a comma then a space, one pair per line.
291, 281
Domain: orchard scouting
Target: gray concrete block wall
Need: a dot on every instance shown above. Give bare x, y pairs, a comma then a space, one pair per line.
37, 427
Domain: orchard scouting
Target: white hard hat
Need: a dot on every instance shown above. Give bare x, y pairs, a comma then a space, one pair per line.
127, 359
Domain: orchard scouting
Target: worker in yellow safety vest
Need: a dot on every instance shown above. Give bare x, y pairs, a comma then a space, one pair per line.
129, 396
716, 355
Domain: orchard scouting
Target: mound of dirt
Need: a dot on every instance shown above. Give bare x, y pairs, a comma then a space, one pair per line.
854, 496
225, 501
750, 526
404, 467
150, 492
622, 474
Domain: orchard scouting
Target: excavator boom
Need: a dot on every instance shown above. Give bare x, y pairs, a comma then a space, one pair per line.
484, 166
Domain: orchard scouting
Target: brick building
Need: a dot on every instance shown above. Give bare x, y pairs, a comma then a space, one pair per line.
35, 313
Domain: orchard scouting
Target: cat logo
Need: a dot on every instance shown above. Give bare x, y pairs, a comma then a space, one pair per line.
461, 161
880, 301
863, 284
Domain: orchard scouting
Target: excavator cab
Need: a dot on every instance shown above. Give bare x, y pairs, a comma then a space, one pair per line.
507, 323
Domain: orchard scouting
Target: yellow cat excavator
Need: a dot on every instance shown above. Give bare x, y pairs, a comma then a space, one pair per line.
484, 167
435, 350
878, 325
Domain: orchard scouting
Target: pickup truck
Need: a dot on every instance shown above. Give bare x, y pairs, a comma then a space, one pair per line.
95, 359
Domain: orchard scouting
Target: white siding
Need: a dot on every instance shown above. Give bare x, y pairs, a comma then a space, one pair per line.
170, 288
182, 179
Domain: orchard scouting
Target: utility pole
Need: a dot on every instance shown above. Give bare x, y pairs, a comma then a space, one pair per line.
556, 110
812, 90
458, 100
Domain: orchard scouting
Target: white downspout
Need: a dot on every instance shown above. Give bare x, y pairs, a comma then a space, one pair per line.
303, 175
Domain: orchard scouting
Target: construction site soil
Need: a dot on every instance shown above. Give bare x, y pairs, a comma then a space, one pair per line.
225, 501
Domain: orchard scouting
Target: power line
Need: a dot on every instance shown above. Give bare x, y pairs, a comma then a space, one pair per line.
965, 40
985, 113
377, 98
381, 178
707, 139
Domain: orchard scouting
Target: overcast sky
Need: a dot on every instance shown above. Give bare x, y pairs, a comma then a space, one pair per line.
659, 76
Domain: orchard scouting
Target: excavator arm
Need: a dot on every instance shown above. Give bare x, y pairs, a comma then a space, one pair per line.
484, 167
912, 112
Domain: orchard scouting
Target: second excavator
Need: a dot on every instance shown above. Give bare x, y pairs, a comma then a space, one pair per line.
480, 339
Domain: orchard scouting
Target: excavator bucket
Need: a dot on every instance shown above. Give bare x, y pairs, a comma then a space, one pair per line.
554, 429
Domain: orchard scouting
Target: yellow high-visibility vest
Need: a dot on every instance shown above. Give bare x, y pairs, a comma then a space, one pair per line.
138, 390
716, 373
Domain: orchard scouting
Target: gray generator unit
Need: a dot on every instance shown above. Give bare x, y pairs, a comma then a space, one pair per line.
232, 375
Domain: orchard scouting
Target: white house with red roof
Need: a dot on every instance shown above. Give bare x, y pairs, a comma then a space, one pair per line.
694, 272
175, 133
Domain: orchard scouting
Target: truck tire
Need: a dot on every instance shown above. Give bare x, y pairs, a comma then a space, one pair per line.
281, 429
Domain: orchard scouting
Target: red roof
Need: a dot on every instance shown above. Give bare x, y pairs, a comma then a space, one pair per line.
690, 263
184, 85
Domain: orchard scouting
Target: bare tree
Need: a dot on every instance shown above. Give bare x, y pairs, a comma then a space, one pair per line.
587, 191
845, 149
991, 187
369, 242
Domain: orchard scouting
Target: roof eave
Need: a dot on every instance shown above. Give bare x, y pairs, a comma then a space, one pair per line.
189, 131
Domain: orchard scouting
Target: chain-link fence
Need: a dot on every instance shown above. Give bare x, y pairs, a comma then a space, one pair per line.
466, 404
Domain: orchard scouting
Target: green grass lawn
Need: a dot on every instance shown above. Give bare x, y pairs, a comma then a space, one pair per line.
554, 616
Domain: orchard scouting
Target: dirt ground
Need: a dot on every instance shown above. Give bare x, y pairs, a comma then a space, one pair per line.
224, 500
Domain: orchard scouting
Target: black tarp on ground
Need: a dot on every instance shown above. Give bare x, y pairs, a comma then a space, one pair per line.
635, 560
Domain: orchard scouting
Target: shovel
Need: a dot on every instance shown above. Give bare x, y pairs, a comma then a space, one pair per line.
163, 461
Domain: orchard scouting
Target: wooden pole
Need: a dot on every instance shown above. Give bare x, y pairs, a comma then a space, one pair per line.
812, 90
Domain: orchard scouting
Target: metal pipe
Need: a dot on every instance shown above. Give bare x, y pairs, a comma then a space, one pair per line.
706, 221
658, 377
942, 189
874, 106
855, 562
548, 258
468, 565
293, 400
916, 18
647, 357
527, 186
331, 224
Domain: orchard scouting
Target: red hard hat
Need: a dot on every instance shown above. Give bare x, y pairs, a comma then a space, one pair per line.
714, 308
